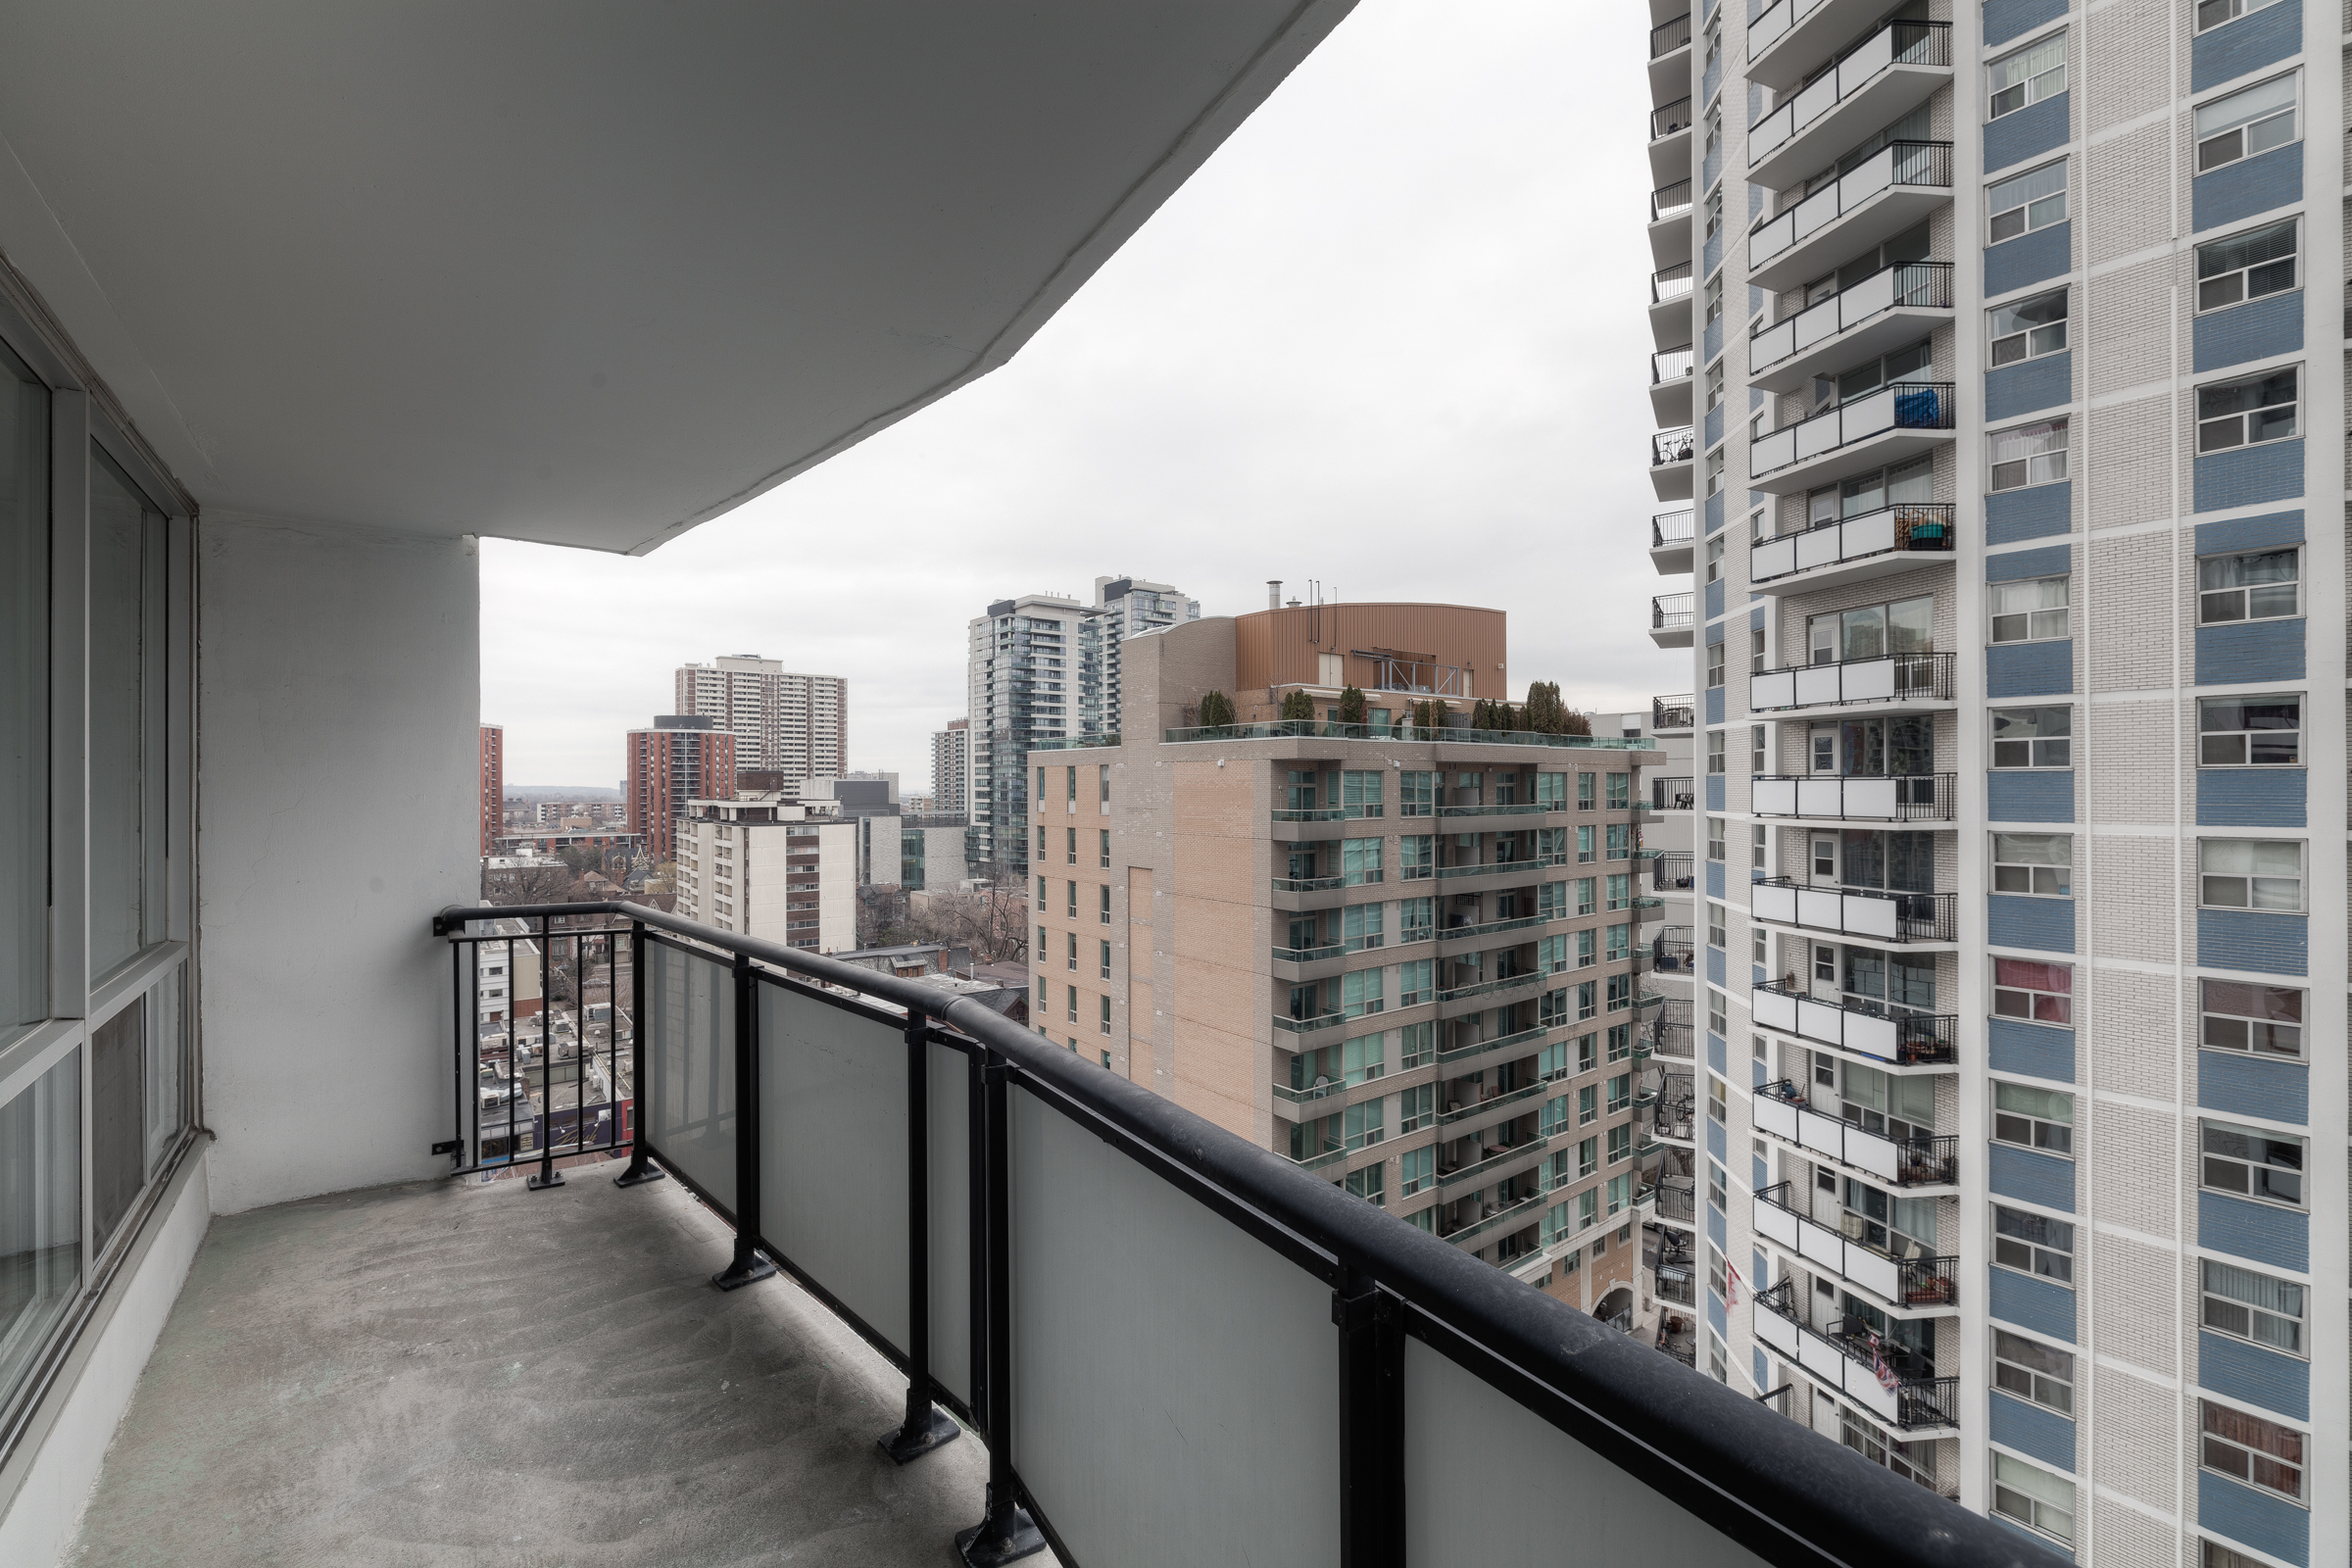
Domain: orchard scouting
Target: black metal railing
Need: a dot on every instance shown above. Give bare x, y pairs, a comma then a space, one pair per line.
1671, 1038
1673, 871
1670, 283
1670, 201
1671, 364
1668, 118
1856, 797
1670, 952
1668, 37
1670, 613
1914, 918
858, 1131
1845, 682
1673, 712
1918, 1039
1925, 527
1672, 446
1670, 528
1675, 794
1677, 1201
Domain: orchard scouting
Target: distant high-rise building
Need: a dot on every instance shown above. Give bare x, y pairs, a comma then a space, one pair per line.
768, 865
494, 783
683, 757
1043, 668
952, 769
785, 723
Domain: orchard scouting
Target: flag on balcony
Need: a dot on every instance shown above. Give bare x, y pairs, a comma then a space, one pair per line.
1731, 1287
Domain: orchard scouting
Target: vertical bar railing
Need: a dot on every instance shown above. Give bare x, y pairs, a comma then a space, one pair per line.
641, 1165
925, 1426
1006, 1532
749, 1264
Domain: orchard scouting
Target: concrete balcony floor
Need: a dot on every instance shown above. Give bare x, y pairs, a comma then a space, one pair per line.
464, 1373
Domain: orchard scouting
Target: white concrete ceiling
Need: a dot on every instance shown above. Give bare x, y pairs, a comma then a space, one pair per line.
587, 272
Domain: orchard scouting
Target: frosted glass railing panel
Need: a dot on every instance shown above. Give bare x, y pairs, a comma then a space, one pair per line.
833, 1167
1175, 1380
689, 1096
1466, 1447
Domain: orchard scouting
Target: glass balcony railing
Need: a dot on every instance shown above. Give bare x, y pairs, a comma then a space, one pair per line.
1782, 1110
1914, 527
1667, 529
1903, 285
1926, 164
1324, 730
1904, 798
1886, 1381
1888, 678
1897, 43
1902, 405
1864, 912
1854, 1024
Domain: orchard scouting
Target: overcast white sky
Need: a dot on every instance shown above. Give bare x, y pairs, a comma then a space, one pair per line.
1391, 336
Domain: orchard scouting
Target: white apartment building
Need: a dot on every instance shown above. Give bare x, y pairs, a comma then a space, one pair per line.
783, 721
1046, 667
2000, 356
772, 867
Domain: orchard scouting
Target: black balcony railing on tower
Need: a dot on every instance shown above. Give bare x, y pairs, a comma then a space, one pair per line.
905, 1154
1672, 872
1673, 712
1672, 446
1670, 283
1668, 118
1670, 950
1678, 793
1671, 364
1670, 613
1670, 528
1670, 201
1668, 37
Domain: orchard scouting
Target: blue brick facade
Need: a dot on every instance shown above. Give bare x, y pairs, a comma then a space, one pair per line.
1716, 1057
2260, 650
2019, 389
2250, 797
1714, 874
1714, 509
2030, 669
2257, 39
2272, 324
2023, 795
1716, 1316
2034, 513
2033, 1430
2235, 1369
2045, 253
2262, 1233
1711, 429
1715, 1228
1715, 803
1714, 598
2005, 20
2259, 1519
2237, 191
2254, 940
2250, 477
2012, 566
1714, 697
2238, 1085
2030, 131
2040, 925
1715, 1147
2031, 1178
2033, 1303
2030, 1049
2264, 532
1715, 967
1711, 258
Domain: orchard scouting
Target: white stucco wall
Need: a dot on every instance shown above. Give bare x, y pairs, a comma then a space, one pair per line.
340, 691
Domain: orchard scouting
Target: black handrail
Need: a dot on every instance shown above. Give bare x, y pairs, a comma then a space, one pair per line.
1918, 285
1672, 528
1670, 364
1672, 713
1917, 677
1668, 200
1672, 871
1667, 118
1774, 1488
1668, 37
1670, 613
1679, 793
1918, 916
1672, 446
1921, 1039
1920, 527
1918, 797
1662, 281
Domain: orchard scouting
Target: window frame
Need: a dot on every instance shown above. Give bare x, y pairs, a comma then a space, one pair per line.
2241, 416
2233, 11
2033, 1245
2248, 590
2209, 1440
2024, 985
2036, 757
2017, 1356
2245, 274
2033, 89
2064, 609
2208, 1014
2199, 141
2059, 874
2208, 1157
1993, 215
2028, 335
2251, 738
2027, 1129
2207, 1296
2024, 465
2302, 878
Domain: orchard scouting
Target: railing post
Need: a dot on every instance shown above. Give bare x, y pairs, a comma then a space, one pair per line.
641, 1165
1371, 1423
925, 1426
547, 1175
748, 1265
1005, 1533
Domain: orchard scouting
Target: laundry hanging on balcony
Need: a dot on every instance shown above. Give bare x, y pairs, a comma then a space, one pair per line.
1919, 408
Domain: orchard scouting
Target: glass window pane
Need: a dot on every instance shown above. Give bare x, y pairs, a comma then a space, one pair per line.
41, 1216
127, 538
24, 699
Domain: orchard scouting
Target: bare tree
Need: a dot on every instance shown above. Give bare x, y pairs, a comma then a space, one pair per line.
533, 884
992, 922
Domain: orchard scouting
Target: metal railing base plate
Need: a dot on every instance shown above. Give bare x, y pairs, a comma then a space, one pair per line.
542, 1180
639, 1173
736, 1275
935, 1430
991, 1543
